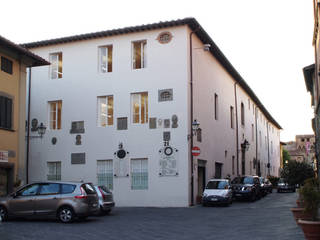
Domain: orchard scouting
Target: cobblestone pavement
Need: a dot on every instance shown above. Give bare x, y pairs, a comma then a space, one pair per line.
268, 218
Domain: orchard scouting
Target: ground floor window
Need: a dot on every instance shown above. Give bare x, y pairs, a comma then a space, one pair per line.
54, 171
105, 173
139, 174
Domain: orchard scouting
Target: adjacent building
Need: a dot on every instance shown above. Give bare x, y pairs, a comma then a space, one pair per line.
303, 149
13, 60
312, 80
120, 107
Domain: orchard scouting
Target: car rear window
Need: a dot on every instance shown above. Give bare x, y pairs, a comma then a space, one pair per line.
242, 180
105, 189
67, 188
217, 185
88, 188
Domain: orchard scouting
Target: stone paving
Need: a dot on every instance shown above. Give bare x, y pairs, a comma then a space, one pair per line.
268, 218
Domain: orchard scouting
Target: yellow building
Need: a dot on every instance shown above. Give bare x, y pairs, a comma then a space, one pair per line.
14, 61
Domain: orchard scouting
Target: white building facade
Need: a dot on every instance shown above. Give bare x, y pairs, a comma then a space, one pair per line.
117, 106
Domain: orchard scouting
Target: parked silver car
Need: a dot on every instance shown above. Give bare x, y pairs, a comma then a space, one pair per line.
217, 191
105, 196
63, 200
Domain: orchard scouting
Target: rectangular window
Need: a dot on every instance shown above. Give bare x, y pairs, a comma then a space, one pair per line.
56, 65
260, 138
216, 110
105, 59
55, 114
139, 105
232, 165
54, 171
231, 117
242, 114
139, 174
139, 54
105, 173
6, 111
252, 132
6, 65
105, 111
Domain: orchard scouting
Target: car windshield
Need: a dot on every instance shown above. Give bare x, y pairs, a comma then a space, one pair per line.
217, 185
243, 180
281, 180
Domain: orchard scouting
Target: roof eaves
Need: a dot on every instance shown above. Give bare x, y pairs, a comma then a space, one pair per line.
35, 59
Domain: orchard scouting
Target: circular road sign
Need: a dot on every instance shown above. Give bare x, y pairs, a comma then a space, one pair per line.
195, 151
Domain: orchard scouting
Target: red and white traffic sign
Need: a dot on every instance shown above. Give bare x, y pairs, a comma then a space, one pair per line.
195, 151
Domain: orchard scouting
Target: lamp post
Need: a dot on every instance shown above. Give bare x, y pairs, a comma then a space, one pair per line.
244, 147
41, 129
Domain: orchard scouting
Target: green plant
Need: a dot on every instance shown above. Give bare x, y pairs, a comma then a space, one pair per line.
274, 180
297, 172
311, 197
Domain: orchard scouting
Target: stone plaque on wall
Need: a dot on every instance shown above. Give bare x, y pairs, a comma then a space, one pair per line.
166, 136
77, 127
165, 95
78, 158
166, 123
122, 123
153, 123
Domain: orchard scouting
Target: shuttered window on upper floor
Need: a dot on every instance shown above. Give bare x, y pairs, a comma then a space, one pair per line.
6, 107
6, 65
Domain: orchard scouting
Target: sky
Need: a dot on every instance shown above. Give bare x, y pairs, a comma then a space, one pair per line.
268, 42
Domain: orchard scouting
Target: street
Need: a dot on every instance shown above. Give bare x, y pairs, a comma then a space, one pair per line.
268, 218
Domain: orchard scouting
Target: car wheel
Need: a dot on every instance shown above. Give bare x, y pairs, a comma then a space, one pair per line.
65, 214
3, 214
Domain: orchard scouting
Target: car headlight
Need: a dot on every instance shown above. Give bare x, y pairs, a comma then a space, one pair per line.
204, 195
281, 184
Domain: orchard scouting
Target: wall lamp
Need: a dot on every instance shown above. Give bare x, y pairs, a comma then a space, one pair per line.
245, 145
41, 129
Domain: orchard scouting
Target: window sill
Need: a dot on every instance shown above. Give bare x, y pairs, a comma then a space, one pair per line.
7, 129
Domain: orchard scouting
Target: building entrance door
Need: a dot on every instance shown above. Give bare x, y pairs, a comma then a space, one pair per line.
3, 182
218, 170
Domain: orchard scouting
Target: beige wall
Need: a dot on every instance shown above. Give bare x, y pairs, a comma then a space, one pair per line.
14, 86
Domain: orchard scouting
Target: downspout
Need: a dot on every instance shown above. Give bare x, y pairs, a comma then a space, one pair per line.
191, 119
28, 126
256, 113
237, 130
268, 166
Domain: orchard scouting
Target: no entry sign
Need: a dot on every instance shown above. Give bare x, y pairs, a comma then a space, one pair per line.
195, 151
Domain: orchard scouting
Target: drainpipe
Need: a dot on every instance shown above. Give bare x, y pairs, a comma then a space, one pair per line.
237, 130
191, 118
28, 127
268, 166
256, 113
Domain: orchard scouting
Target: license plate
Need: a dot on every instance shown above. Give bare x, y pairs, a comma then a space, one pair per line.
214, 199
94, 205
238, 195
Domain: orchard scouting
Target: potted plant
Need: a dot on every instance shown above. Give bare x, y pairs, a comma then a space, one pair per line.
311, 198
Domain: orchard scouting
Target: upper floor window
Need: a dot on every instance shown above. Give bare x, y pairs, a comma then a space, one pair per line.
105, 59
242, 114
6, 65
56, 65
216, 106
55, 114
139, 54
105, 111
139, 107
6, 110
231, 117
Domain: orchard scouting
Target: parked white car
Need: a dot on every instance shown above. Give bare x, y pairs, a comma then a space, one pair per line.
217, 191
